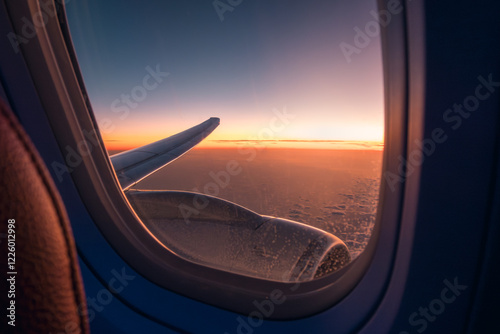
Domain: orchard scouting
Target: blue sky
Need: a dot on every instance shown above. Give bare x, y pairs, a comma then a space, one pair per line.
264, 55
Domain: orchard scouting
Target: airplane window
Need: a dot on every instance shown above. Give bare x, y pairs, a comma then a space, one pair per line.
246, 135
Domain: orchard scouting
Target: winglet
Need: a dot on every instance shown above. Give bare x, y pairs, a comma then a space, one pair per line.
135, 165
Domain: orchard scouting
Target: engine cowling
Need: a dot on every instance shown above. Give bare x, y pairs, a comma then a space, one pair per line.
223, 235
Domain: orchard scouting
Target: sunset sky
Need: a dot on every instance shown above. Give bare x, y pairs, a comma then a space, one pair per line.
266, 58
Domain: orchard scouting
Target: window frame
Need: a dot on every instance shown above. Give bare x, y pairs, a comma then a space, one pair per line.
56, 76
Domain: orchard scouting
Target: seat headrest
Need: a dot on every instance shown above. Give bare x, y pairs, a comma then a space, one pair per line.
47, 287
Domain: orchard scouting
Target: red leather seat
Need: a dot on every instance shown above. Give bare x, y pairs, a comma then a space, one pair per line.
49, 296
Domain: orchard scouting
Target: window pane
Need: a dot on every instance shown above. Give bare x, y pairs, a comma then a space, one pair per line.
299, 92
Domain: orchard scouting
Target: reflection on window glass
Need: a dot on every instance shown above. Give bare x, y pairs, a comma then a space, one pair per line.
298, 89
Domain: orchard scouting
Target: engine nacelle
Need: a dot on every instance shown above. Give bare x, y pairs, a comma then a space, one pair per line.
220, 234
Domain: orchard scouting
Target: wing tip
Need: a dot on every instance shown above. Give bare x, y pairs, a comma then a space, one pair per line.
215, 119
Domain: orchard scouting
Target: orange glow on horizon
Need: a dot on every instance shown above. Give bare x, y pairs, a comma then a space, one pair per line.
304, 134
267, 144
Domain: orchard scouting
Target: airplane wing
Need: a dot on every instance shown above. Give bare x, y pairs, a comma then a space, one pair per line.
134, 165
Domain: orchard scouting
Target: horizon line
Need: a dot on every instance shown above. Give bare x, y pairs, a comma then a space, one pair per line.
231, 143
298, 140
